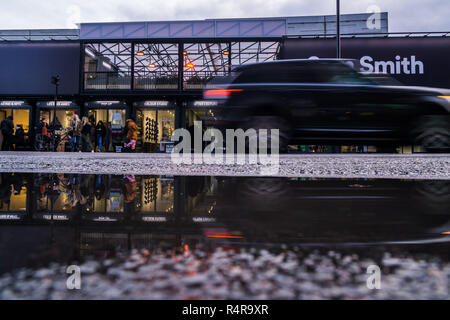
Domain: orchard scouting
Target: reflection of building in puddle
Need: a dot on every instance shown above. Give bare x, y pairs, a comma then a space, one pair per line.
111, 242
105, 200
155, 198
97, 242
13, 197
56, 197
201, 198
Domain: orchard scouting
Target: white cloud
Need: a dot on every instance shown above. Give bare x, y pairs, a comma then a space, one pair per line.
404, 15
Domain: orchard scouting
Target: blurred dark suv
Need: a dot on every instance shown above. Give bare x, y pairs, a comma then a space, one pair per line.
327, 101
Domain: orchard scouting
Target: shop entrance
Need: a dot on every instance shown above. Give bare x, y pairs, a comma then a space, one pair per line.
21, 119
64, 114
156, 127
114, 121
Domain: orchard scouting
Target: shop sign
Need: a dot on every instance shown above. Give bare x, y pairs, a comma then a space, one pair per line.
106, 103
205, 103
51, 104
169, 147
156, 103
11, 103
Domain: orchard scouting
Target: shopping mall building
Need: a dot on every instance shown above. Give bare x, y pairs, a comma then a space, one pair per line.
155, 71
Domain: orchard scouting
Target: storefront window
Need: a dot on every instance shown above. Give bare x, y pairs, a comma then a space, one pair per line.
20, 113
155, 129
114, 116
63, 117
21, 117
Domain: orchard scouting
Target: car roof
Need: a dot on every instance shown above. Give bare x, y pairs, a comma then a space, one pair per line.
291, 61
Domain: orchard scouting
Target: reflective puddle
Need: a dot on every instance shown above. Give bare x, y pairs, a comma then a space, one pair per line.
62, 217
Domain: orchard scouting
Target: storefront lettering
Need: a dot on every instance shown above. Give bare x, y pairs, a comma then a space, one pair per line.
156, 103
12, 103
399, 66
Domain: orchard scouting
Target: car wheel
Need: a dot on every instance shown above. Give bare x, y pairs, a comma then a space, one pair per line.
268, 123
433, 134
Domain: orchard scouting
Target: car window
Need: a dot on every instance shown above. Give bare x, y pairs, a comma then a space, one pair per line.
276, 73
335, 73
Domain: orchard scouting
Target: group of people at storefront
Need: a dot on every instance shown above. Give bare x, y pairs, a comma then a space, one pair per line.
82, 135
89, 136
12, 138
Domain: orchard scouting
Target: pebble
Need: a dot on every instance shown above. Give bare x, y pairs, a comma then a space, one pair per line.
249, 274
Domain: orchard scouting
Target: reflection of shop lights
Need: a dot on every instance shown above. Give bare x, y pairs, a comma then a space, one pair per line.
203, 219
9, 217
55, 217
184, 53
104, 219
154, 219
226, 53
190, 65
140, 53
221, 234
227, 237
151, 65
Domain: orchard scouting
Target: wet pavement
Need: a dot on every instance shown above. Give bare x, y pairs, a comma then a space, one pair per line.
206, 237
320, 165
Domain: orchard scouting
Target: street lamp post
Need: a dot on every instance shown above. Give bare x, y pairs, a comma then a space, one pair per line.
55, 81
338, 29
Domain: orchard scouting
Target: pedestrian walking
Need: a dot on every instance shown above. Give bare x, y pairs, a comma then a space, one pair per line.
85, 135
92, 134
19, 138
100, 131
108, 137
132, 129
75, 125
7, 129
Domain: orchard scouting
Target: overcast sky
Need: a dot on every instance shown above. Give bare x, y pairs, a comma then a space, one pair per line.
404, 15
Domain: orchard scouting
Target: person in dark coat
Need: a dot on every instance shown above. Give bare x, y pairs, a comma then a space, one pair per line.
93, 133
100, 131
108, 137
85, 135
19, 137
7, 129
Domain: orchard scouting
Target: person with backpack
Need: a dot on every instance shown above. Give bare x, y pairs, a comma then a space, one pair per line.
7, 128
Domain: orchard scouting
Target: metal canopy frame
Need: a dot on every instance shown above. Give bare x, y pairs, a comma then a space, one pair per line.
161, 64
